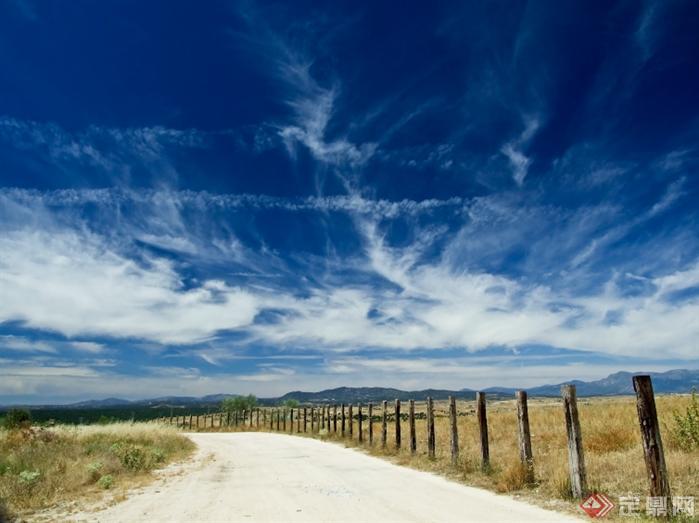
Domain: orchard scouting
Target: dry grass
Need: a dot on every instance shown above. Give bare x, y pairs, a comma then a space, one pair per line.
611, 438
39, 468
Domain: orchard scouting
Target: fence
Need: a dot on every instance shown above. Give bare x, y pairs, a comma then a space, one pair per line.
324, 419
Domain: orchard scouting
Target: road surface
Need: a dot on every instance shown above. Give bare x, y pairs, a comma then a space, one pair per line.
263, 477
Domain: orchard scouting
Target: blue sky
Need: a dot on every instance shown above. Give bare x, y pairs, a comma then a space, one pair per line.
259, 197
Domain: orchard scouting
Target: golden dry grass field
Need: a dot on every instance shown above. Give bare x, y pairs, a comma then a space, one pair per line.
42, 467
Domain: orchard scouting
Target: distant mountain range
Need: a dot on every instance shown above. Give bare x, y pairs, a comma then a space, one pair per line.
673, 381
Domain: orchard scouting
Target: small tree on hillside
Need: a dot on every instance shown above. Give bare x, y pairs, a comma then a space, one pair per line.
291, 403
239, 403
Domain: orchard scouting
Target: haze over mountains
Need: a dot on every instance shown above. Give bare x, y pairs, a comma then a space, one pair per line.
619, 383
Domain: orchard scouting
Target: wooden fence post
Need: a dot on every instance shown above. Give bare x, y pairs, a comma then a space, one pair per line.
431, 443
304, 419
322, 416
483, 429
257, 418
291, 419
384, 428
411, 420
279, 421
398, 439
197, 421
190, 422
342, 407
454, 431
212, 421
371, 423
525, 438
652, 442
313, 420
576, 457
335, 419
359, 423
252, 411
351, 420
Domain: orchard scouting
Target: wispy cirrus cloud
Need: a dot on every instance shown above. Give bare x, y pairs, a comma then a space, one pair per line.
312, 103
87, 283
514, 150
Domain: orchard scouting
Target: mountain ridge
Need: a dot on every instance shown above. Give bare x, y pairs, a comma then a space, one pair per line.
615, 384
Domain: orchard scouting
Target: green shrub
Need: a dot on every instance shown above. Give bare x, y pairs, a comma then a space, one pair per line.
106, 481
686, 430
17, 419
29, 477
94, 470
158, 455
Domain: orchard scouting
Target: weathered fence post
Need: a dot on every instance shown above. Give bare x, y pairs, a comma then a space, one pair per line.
335, 419
304, 419
398, 439
525, 438
576, 457
483, 429
190, 422
371, 423
313, 419
454, 431
359, 423
384, 428
652, 442
279, 421
351, 420
197, 421
251, 413
431, 443
342, 407
284, 420
291, 419
322, 417
212, 421
257, 418
411, 421
298, 420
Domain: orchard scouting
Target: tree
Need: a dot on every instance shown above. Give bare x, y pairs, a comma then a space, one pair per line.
239, 403
291, 403
17, 418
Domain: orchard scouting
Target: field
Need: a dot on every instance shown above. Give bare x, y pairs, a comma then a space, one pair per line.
43, 467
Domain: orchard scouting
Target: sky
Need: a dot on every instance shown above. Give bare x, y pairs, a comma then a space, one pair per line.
258, 197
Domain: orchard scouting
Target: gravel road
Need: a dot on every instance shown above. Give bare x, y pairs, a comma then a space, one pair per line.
262, 477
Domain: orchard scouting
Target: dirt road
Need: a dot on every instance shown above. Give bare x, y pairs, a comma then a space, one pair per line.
261, 477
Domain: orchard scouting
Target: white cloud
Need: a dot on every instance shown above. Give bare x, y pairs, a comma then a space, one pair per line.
513, 150
673, 193
60, 276
74, 283
169, 203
